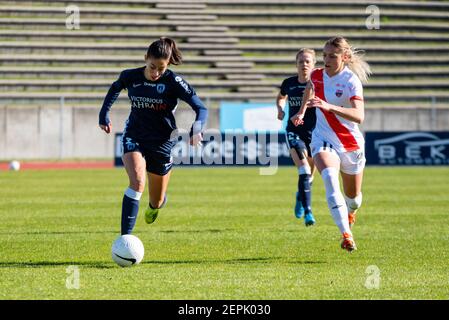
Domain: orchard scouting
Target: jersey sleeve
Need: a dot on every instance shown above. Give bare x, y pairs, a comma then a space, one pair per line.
355, 89
283, 90
112, 95
186, 93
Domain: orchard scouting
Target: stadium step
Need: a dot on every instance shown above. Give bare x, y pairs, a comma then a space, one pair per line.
202, 28
180, 5
190, 17
238, 76
231, 65
269, 96
222, 52
237, 48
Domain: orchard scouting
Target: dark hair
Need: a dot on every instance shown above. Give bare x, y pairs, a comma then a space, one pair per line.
165, 48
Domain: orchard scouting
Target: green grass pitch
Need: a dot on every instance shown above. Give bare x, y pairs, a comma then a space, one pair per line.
226, 233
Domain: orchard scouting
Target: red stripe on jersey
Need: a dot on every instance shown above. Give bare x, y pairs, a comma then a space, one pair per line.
344, 135
356, 98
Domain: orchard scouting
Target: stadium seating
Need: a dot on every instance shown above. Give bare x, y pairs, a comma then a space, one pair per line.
233, 49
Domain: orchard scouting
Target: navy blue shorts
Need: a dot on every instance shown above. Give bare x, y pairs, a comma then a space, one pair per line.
299, 142
157, 154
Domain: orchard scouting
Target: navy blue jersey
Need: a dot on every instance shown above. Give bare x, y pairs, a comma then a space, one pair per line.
294, 89
153, 104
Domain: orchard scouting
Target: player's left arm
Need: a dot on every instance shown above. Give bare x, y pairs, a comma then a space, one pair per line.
308, 94
188, 94
356, 113
196, 132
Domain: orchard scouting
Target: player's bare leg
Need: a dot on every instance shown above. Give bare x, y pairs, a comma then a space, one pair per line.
157, 187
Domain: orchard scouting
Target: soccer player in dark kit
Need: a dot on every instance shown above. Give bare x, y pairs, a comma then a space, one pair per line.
153, 91
299, 138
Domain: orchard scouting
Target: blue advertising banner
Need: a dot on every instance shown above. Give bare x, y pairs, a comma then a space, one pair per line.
251, 117
407, 148
229, 148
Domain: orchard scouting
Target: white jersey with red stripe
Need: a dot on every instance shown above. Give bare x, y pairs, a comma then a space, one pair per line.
342, 134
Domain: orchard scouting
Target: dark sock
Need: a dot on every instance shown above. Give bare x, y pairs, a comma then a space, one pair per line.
130, 209
304, 192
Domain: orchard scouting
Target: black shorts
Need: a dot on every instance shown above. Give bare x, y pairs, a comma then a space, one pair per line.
299, 141
157, 154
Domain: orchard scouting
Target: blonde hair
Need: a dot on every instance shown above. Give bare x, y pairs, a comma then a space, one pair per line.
306, 50
356, 62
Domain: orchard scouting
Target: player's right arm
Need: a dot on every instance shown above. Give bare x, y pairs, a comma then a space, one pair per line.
280, 103
308, 94
112, 95
281, 100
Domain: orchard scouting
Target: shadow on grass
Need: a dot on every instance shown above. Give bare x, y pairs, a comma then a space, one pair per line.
58, 232
110, 265
43, 232
196, 231
233, 261
40, 264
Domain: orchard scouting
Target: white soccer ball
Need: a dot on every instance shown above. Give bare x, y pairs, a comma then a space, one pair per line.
127, 250
14, 165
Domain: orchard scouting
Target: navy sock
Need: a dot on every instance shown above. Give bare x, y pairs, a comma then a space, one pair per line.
130, 209
305, 192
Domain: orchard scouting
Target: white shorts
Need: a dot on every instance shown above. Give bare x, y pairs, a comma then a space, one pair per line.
352, 162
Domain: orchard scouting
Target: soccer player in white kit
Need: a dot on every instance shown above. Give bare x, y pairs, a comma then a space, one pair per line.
337, 143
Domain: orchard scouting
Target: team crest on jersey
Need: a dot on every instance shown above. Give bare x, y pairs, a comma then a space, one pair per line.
338, 93
160, 87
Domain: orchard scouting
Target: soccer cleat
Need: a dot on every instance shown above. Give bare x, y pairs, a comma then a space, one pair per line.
351, 218
309, 220
348, 242
299, 209
151, 215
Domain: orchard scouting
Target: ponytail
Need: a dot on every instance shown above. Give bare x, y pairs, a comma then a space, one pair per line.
165, 48
359, 66
356, 63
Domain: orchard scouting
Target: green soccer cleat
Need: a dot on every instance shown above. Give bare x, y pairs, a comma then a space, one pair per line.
151, 215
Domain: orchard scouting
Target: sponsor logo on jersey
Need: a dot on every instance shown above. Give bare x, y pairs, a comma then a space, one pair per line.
160, 87
183, 84
148, 103
135, 85
338, 93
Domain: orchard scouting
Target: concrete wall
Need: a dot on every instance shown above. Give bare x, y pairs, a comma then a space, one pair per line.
48, 132
51, 132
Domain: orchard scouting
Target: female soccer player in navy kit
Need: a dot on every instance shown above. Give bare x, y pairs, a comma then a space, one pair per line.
336, 92
147, 140
298, 138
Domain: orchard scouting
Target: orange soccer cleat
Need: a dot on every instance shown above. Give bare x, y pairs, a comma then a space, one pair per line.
348, 242
351, 218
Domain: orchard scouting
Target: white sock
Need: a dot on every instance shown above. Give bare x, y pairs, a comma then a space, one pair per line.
335, 200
